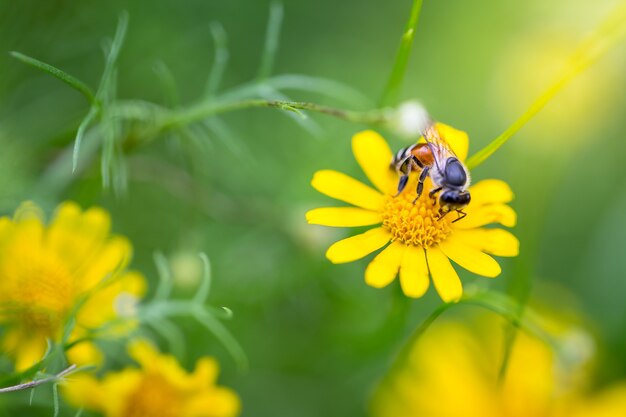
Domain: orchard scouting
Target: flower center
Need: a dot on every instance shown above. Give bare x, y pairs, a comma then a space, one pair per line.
415, 224
153, 397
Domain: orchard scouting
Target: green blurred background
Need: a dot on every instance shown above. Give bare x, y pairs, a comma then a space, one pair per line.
318, 339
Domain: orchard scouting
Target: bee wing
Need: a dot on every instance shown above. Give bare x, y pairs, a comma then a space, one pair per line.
439, 147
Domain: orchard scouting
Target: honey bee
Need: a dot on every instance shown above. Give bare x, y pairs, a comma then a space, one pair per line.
436, 159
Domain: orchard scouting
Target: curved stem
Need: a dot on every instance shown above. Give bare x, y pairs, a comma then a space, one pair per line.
499, 304
36, 383
419, 331
603, 39
204, 110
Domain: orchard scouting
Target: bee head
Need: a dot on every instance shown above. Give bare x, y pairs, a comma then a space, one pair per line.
454, 199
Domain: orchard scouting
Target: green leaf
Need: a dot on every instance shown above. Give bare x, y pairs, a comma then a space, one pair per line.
172, 334
55, 399
113, 54
224, 336
164, 289
73, 82
205, 285
93, 112
271, 40
167, 80
220, 58
394, 83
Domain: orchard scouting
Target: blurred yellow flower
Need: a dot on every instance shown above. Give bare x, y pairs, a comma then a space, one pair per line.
452, 371
46, 271
421, 243
160, 388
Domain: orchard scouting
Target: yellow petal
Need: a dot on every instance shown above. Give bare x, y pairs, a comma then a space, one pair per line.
445, 278
117, 302
374, 156
384, 267
342, 187
482, 215
26, 239
82, 390
76, 236
343, 217
143, 352
414, 272
5, 226
457, 139
84, 353
470, 258
490, 192
609, 402
206, 371
29, 352
356, 247
112, 257
497, 242
216, 402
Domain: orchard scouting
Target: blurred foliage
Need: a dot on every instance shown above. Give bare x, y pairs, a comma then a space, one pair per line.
317, 338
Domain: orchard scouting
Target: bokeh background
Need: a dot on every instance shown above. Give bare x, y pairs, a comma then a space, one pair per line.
318, 339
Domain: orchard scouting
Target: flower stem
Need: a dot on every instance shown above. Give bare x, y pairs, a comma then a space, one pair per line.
607, 35
401, 359
390, 94
204, 110
36, 383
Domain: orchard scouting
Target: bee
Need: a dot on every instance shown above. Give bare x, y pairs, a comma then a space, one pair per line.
436, 159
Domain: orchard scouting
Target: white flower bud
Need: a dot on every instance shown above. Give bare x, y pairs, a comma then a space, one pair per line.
411, 119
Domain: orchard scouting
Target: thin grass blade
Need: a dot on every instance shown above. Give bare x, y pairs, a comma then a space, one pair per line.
73, 82
271, 40
82, 128
220, 58
113, 53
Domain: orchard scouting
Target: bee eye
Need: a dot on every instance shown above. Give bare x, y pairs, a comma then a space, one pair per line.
453, 197
449, 197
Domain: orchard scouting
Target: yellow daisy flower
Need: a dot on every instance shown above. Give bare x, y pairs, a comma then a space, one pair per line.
418, 243
47, 270
452, 371
160, 388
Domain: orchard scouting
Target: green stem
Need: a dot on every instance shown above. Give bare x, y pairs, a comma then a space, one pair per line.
419, 331
205, 110
394, 83
510, 335
501, 305
32, 384
606, 36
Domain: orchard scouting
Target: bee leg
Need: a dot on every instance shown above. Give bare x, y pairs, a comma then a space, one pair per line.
442, 214
433, 194
461, 214
404, 179
402, 183
420, 182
